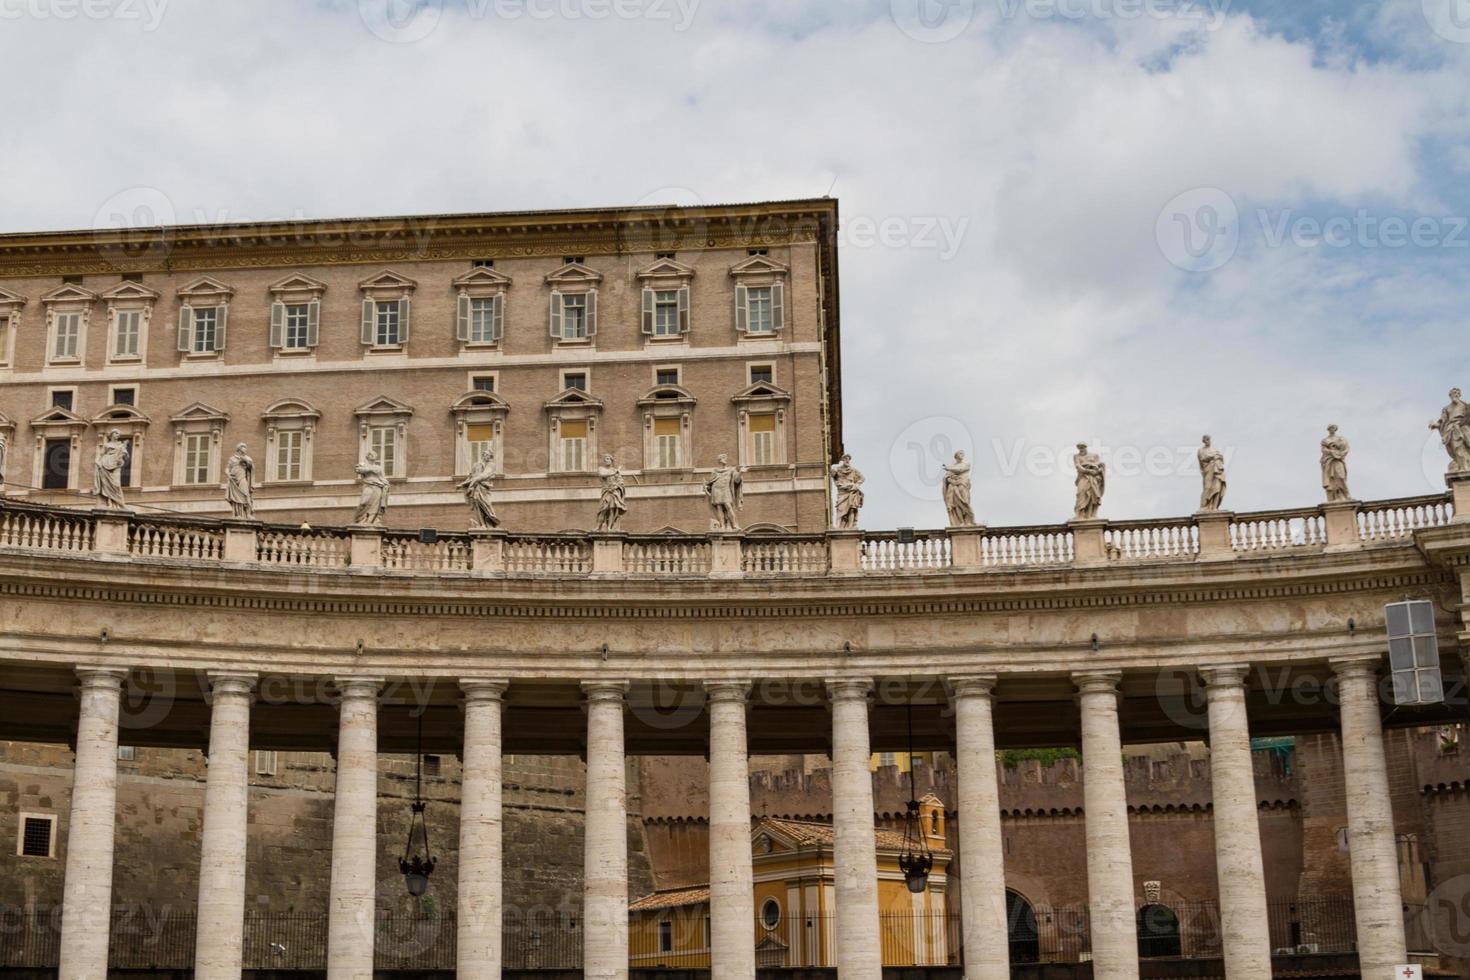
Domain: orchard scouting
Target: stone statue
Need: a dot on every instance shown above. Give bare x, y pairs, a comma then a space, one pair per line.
849, 494
240, 484
957, 492
107, 474
4, 455
1454, 431
1091, 481
374, 483
476, 489
1212, 473
1334, 466
726, 496
613, 503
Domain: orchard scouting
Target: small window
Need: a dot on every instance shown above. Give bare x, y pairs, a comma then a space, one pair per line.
132, 277
762, 373
664, 255
126, 753
482, 382
432, 765
666, 376
265, 763
383, 440
757, 251
37, 836
288, 454
63, 399
125, 396
770, 913
574, 379
762, 439
573, 445
71, 280
665, 936
482, 264
666, 440
196, 457
573, 259
56, 474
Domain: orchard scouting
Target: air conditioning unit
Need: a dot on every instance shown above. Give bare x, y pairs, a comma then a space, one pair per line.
1413, 652
1306, 948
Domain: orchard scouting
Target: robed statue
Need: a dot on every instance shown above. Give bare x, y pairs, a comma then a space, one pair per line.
4, 456
1334, 466
957, 492
374, 486
1212, 476
476, 489
240, 483
107, 473
726, 495
1091, 481
848, 481
1454, 431
612, 504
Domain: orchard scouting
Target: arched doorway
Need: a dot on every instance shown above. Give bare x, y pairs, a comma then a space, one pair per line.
1021, 928
1158, 931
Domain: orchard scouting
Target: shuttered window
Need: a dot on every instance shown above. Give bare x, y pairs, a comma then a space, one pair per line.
573, 445
762, 439
666, 442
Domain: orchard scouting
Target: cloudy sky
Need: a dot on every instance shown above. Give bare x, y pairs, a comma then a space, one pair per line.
1129, 222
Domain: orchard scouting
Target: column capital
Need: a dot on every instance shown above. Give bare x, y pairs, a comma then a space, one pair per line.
1224, 676
231, 682
1097, 681
357, 687
970, 686
601, 690
101, 678
727, 691
1344, 668
484, 688
849, 688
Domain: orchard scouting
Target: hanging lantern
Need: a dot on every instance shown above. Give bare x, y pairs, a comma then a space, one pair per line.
915, 860
414, 867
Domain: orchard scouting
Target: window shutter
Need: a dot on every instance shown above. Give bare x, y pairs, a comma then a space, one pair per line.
367, 321
497, 317
556, 314
740, 308
648, 310
222, 315
313, 322
462, 318
186, 327
683, 309
403, 319
592, 313
278, 324
778, 306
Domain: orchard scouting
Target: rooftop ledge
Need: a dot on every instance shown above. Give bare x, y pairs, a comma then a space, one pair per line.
1201, 538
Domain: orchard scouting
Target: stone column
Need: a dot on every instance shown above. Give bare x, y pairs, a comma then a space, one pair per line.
1105, 808
1372, 848
354, 832
982, 872
86, 902
219, 945
731, 879
480, 873
1239, 868
855, 845
605, 869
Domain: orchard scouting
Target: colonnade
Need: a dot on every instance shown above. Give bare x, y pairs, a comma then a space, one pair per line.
1242, 890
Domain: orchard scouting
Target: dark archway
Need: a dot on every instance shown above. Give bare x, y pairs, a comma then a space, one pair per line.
1158, 931
1021, 928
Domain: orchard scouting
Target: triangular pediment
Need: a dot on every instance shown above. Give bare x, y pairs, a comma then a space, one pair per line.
666, 269
669, 529
291, 408
767, 832
477, 399
200, 412
58, 416
8, 298
387, 279
758, 265
298, 283
762, 391
6, 422
206, 286
667, 395
69, 293
575, 398
573, 272
128, 290
383, 405
482, 276
115, 414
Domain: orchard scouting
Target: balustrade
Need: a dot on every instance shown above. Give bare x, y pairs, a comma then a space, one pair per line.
151, 538
1278, 530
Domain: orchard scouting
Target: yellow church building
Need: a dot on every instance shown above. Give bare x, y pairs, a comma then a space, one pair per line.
794, 904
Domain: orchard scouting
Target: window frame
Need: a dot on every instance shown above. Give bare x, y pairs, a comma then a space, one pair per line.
203, 294
565, 374
289, 415
678, 370
78, 341
385, 413
476, 407
384, 290
761, 272
573, 280
195, 421
292, 291
752, 366
25, 816
11, 305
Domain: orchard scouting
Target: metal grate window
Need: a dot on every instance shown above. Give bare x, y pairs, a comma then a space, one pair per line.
1413, 652
36, 836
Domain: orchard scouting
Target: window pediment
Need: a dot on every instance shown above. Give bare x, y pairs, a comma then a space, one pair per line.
479, 401
290, 408
10, 302
481, 281
572, 277
130, 294
7, 426
298, 288
69, 295
758, 268
761, 391
387, 285
58, 418
574, 398
666, 270
200, 412
119, 415
206, 288
673, 396
382, 407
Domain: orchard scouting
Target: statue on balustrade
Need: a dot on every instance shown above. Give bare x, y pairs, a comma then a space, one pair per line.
374, 483
1334, 466
848, 481
726, 496
1091, 481
477, 491
240, 483
1212, 474
957, 492
1454, 431
4, 455
107, 473
613, 503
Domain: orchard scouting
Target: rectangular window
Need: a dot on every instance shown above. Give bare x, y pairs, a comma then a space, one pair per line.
196, 457
574, 379
479, 436
125, 396
482, 320
68, 336
758, 310
63, 399
56, 474
666, 440
129, 331
126, 753
482, 382
762, 373
665, 937
5, 322
383, 440
387, 331
298, 319
35, 836
762, 439
206, 330
573, 445
666, 376
265, 763
574, 316
666, 313
288, 454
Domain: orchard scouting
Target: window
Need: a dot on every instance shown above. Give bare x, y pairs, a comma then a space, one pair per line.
64, 398
760, 291
295, 326
573, 445
383, 440
757, 251
202, 329
481, 318
665, 255
573, 259
433, 764
1413, 652
7, 320
386, 333
126, 753
196, 457
479, 436
37, 836
665, 936
132, 277
68, 334
770, 913
758, 310
666, 439
288, 454
482, 382
385, 322
265, 763
124, 396
762, 374
127, 329
666, 376
56, 473
762, 440
574, 317
482, 264
665, 312
574, 379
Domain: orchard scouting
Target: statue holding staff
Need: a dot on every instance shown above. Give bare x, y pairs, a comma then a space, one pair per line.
1454, 431
240, 484
374, 483
613, 503
476, 489
1091, 481
957, 492
1212, 476
725, 494
848, 481
107, 473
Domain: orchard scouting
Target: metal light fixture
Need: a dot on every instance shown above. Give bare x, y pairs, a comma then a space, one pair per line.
915, 860
416, 869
